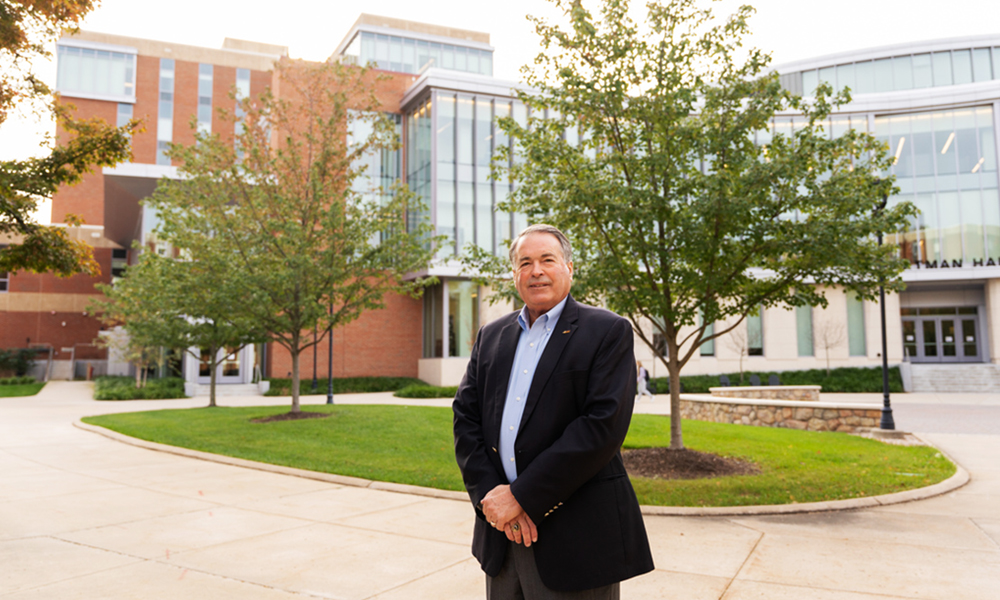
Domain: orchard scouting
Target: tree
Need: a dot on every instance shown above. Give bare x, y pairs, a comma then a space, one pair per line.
307, 249
829, 335
642, 148
25, 27
183, 304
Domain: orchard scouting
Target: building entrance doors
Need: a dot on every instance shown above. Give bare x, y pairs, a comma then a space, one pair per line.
230, 370
941, 335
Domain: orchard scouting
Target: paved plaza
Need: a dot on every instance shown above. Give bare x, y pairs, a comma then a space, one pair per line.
84, 516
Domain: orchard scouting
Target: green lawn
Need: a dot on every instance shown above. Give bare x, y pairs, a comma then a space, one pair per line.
413, 445
21, 389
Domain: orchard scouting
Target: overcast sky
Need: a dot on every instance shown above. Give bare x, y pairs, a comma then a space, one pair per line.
789, 30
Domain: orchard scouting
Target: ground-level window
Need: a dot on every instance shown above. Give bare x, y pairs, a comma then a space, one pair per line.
451, 319
4, 282
855, 325
708, 348
804, 329
755, 333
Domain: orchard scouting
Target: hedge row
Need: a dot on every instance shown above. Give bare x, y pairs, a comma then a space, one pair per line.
109, 387
845, 379
422, 390
17, 380
341, 385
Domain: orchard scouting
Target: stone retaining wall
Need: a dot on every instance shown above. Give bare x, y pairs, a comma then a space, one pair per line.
810, 416
771, 392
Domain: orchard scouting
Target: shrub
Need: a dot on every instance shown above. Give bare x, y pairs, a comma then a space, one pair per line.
845, 379
422, 390
110, 387
341, 385
26, 379
16, 360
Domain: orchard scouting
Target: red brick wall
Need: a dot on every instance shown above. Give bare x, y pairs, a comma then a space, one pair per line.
146, 108
383, 342
185, 101
60, 329
77, 284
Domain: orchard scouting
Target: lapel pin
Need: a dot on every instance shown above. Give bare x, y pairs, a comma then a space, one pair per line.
567, 331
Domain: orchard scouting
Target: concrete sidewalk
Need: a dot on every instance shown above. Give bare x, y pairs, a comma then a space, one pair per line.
82, 516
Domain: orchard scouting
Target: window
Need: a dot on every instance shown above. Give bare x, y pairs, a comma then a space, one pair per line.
124, 114
95, 72
165, 119
708, 348
755, 333
119, 260
855, 326
451, 319
804, 329
205, 98
4, 282
242, 92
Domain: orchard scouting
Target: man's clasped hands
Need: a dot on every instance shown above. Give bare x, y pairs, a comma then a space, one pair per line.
504, 512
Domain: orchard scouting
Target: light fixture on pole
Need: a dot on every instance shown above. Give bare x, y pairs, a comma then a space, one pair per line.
329, 369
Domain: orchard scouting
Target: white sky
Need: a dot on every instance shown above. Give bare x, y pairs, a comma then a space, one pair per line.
789, 29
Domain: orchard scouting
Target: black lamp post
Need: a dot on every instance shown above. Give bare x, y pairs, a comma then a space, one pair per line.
329, 371
887, 421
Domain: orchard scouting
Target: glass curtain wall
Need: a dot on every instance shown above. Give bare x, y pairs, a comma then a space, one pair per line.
93, 72
945, 162
465, 197
405, 55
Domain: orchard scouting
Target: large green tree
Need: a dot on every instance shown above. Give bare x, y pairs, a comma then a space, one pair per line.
310, 249
26, 26
644, 150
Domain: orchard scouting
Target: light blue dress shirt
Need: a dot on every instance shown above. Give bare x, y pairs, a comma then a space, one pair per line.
529, 350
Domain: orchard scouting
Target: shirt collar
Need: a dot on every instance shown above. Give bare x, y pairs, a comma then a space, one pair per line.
550, 317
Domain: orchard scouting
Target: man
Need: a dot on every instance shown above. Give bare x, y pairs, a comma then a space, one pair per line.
540, 417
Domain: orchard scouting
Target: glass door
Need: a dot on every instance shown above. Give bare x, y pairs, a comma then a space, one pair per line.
229, 370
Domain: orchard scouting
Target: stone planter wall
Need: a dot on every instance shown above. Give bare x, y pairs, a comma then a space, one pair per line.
806, 415
771, 392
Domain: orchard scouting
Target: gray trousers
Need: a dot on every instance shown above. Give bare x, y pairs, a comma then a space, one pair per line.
518, 579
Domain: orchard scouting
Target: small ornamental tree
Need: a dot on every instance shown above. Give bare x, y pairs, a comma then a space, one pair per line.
183, 304
307, 252
642, 148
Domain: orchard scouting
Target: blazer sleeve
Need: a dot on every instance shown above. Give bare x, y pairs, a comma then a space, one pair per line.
591, 440
471, 451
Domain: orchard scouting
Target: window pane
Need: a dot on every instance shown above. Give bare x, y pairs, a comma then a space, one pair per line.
828, 75
463, 317
810, 79
755, 334
923, 75
883, 75
981, 70
902, 73
845, 77
804, 330
961, 62
864, 74
855, 325
942, 68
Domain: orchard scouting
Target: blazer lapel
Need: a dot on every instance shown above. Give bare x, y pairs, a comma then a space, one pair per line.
506, 348
550, 357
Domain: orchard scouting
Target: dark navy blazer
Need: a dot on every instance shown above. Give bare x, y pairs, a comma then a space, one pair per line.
570, 477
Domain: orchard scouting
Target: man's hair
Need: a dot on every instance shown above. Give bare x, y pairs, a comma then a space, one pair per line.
567, 250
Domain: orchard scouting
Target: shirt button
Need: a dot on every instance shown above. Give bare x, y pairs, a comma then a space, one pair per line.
525, 371
518, 398
512, 428
511, 459
531, 345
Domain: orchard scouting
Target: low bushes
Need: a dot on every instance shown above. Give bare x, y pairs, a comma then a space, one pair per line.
110, 387
16, 361
341, 385
422, 390
17, 380
845, 379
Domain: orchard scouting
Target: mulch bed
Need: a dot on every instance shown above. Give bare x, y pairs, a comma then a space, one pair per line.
664, 463
290, 416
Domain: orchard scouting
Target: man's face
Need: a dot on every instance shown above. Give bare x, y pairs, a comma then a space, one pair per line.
541, 275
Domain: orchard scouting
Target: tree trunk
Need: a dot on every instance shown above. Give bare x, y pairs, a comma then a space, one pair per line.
295, 381
674, 370
213, 364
